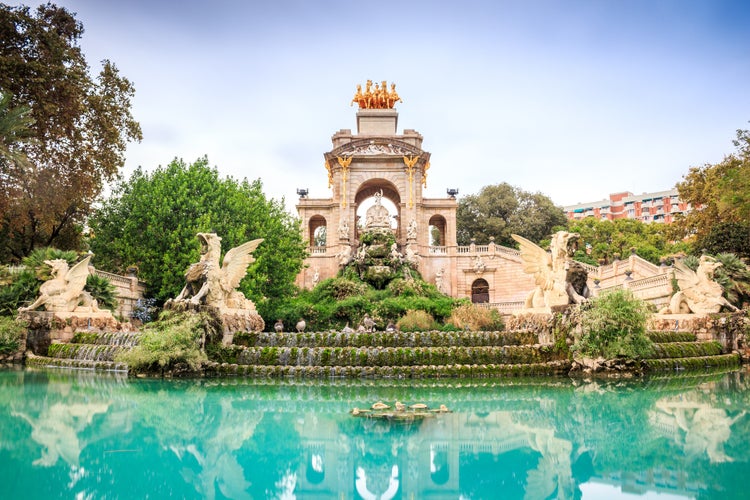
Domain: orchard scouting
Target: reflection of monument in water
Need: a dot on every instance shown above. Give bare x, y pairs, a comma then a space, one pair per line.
259, 439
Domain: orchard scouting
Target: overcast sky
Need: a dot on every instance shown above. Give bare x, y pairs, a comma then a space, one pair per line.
575, 99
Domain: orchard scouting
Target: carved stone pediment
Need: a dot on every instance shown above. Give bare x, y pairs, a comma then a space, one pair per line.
375, 147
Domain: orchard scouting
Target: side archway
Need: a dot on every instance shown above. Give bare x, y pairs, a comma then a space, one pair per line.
480, 291
318, 230
437, 230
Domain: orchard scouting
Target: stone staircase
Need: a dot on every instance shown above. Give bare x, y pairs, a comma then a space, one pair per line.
677, 351
430, 354
87, 350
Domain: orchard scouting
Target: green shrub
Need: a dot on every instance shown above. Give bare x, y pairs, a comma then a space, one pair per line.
176, 338
407, 288
21, 292
340, 288
416, 321
11, 332
614, 325
35, 260
476, 318
102, 290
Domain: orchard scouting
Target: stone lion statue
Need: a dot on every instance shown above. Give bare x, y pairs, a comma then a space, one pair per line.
699, 293
64, 291
214, 284
550, 271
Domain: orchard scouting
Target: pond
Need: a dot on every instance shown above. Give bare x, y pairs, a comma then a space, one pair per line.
75, 434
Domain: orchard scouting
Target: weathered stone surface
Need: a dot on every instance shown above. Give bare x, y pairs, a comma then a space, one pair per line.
213, 284
699, 293
600, 367
46, 327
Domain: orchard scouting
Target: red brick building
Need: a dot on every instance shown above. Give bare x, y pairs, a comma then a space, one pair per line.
659, 207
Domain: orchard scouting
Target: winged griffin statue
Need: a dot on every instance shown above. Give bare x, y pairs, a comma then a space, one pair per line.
698, 293
213, 283
551, 273
64, 291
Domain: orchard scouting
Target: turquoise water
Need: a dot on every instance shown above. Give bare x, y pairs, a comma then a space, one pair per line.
75, 434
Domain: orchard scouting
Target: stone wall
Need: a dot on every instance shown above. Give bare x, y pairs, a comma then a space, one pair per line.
128, 289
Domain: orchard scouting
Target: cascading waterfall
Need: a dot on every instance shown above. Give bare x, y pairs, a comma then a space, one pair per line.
89, 350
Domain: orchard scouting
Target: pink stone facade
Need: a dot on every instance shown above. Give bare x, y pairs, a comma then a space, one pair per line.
378, 159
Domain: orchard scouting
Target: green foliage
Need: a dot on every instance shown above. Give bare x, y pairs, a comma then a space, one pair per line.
416, 321
476, 318
152, 220
11, 332
385, 238
722, 191
23, 290
614, 325
501, 210
79, 128
734, 278
35, 260
726, 236
340, 288
602, 239
175, 339
400, 287
102, 290
685, 349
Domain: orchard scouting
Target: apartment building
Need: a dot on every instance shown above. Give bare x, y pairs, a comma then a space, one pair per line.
659, 207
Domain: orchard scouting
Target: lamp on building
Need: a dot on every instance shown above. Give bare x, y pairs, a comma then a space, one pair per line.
452, 192
302, 192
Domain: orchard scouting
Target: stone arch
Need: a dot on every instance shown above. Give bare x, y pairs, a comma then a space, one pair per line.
368, 189
480, 291
437, 225
390, 192
317, 225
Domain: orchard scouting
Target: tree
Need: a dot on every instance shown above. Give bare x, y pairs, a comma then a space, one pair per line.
152, 219
80, 128
501, 210
15, 129
720, 196
602, 239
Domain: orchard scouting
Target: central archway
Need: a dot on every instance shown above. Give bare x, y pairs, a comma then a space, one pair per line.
367, 192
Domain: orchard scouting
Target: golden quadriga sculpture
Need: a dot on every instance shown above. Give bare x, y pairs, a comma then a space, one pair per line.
65, 300
214, 285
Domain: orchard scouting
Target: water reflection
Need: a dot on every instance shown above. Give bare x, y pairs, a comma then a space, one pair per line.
95, 436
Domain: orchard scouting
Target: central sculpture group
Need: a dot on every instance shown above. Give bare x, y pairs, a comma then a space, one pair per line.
378, 98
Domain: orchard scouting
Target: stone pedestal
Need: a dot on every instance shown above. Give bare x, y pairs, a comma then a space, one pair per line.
232, 320
377, 121
47, 327
726, 328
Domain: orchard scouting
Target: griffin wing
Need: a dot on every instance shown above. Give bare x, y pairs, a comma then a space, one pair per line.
236, 262
535, 261
76, 277
686, 278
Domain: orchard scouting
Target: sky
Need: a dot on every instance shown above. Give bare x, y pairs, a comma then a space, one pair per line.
575, 99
